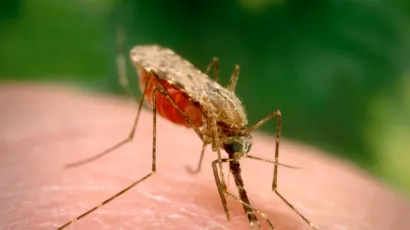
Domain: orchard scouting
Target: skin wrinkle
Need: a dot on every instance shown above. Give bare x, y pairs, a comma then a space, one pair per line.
28, 173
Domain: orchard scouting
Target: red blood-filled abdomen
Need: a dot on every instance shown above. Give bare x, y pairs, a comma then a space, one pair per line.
165, 108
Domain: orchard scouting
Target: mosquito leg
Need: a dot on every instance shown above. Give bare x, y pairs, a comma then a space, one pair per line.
197, 131
119, 144
121, 61
104, 202
221, 188
293, 207
169, 98
262, 214
131, 135
272, 162
198, 168
278, 114
275, 113
234, 79
153, 169
215, 64
216, 147
248, 208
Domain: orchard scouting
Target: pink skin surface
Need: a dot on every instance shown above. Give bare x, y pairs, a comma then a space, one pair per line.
42, 128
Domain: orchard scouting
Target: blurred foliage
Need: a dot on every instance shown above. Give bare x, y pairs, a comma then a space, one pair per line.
338, 70
388, 131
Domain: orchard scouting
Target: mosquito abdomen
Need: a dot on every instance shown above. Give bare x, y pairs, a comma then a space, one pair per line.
164, 106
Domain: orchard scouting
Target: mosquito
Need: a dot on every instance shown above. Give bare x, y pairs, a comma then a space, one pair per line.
184, 95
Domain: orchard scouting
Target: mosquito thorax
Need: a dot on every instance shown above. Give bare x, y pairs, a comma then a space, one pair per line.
241, 144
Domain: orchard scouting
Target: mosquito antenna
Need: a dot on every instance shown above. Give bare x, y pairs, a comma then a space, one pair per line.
273, 162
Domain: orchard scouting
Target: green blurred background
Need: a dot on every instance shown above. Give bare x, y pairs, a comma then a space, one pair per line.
337, 69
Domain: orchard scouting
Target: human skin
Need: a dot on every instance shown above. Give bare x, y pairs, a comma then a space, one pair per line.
44, 127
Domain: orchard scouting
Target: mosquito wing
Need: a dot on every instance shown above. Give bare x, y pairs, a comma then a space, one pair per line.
183, 75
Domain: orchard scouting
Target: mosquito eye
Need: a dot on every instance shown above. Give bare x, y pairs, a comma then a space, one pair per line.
233, 147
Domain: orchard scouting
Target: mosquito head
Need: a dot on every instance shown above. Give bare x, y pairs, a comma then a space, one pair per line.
241, 144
